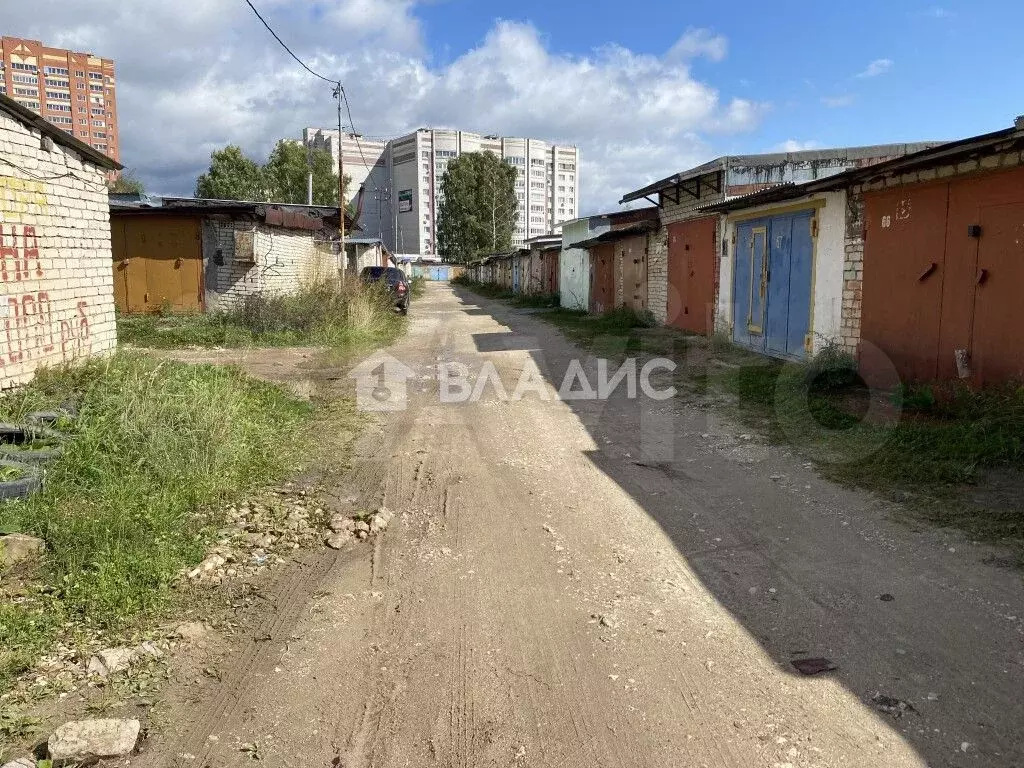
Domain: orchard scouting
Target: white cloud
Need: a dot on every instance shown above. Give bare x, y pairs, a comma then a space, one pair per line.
876, 68
700, 42
193, 77
834, 102
792, 145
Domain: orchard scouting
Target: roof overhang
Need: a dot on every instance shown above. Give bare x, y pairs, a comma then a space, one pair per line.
30, 119
613, 235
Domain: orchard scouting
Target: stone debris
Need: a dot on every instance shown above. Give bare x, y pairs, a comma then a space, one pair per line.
343, 528
337, 540
17, 548
111, 661
191, 631
90, 740
21, 762
259, 532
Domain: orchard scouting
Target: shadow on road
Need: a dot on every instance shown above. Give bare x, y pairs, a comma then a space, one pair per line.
920, 630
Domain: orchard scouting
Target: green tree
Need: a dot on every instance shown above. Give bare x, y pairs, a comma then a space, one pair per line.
127, 183
478, 211
287, 172
232, 176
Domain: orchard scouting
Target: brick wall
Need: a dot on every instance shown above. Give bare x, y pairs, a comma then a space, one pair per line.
247, 257
657, 274
853, 268
56, 269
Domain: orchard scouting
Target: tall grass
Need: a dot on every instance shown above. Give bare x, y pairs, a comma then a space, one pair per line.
121, 511
322, 314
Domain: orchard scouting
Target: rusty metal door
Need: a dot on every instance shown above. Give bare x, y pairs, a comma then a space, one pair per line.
633, 257
904, 270
691, 274
602, 278
118, 248
164, 263
996, 352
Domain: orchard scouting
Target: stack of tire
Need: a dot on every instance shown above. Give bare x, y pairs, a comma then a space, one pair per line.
26, 449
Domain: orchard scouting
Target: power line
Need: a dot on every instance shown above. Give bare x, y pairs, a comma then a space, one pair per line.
301, 62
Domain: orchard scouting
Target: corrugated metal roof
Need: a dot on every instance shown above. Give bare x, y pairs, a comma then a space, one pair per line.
612, 235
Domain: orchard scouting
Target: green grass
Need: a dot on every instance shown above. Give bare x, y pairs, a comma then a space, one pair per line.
331, 315
417, 286
122, 509
925, 445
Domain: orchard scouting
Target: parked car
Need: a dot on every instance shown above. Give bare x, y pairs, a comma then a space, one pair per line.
398, 284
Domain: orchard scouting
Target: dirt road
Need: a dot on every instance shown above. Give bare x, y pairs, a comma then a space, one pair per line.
620, 583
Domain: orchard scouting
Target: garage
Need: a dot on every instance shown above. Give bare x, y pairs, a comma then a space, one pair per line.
158, 263
772, 284
692, 246
943, 269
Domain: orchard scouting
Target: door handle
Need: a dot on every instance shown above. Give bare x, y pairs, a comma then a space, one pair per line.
928, 272
982, 276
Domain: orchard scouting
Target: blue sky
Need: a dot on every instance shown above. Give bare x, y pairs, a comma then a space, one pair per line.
644, 88
952, 71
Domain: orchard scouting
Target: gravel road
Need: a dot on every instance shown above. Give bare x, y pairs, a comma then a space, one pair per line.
620, 583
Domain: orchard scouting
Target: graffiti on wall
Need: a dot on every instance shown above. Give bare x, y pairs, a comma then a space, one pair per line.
33, 330
19, 253
34, 327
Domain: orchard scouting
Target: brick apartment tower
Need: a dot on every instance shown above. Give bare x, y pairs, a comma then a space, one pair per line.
77, 92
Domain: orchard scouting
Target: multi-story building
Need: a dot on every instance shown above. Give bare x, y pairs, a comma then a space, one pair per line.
361, 153
77, 92
402, 183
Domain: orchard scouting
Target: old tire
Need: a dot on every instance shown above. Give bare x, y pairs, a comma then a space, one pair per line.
30, 481
14, 435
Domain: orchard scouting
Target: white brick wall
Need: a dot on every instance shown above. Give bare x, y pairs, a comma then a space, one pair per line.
56, 269
657, 274
256, 258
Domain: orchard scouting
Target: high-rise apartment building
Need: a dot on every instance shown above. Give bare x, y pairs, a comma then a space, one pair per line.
361, 153
402, 182
77, 92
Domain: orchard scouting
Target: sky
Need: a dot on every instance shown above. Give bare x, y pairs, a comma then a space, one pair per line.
644, 88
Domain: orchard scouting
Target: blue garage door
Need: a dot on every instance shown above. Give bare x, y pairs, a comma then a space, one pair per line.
772, 284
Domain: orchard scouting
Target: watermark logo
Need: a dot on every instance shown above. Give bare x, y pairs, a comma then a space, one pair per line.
381, 383
459, 384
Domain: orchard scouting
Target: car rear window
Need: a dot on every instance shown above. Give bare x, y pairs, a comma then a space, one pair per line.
374, 273
395, 274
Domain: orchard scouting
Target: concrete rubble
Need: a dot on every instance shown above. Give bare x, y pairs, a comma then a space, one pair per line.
17, 548
88, 740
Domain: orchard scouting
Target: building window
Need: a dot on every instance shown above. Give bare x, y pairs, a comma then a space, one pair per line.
52, 82
25, 79
95, 76
515, 160
536, 185
55, 71
101, 147
96, 111
99, 135
99, 123
3, 89
81, 97
79, 73
445, 153
24, 67
30, 104
59, 107
95, 88
58, 96
26, 92
61, 120
80, 86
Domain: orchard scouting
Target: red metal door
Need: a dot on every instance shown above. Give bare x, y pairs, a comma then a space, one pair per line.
691, 274
633, 255
602, 278
904, 269
996, 352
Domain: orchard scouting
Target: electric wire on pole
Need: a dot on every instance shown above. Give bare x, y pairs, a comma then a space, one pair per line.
339, 94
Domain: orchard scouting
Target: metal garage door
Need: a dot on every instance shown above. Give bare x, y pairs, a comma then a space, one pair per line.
691, 274
772, 284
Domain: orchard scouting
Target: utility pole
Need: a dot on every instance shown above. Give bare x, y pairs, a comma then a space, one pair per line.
339, 94
309, 178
